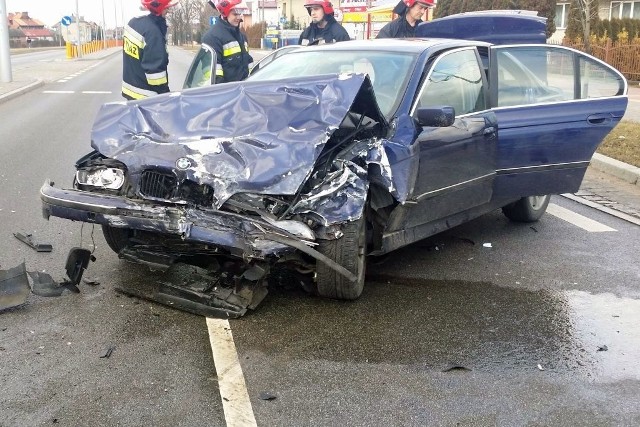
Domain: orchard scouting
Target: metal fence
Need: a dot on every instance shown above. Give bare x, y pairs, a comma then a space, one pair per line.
625, 56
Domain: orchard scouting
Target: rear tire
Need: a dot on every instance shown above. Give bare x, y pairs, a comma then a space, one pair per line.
527, 209
117, 238
348, 251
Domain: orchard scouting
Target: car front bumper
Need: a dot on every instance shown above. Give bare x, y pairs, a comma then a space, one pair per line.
250, 238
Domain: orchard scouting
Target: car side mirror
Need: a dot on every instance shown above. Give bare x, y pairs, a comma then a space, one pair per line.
439, 116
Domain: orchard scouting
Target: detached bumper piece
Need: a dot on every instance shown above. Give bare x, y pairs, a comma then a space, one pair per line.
205, 296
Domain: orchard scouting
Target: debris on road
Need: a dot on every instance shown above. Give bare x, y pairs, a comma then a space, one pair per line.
456, 368
14, 287
107, 353
487, 245
603, 348
265, 395
17, 283
540, 367
28, 240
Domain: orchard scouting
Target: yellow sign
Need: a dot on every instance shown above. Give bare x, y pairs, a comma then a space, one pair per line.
131, 49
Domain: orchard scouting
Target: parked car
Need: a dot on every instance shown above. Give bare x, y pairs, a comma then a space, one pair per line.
335, 152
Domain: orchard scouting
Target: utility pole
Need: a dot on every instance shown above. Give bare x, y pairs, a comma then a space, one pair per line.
104, 39
78, 27
5, 53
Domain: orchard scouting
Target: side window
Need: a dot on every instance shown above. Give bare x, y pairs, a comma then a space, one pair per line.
540, 74
200, 72
597, 81
456, 81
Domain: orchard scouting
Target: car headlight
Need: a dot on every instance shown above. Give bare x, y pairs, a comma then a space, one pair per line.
109, 178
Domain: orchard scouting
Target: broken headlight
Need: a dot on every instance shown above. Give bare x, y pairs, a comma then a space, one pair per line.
109, 178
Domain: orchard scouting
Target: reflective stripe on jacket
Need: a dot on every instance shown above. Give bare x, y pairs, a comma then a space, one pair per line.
232, 51
145, 58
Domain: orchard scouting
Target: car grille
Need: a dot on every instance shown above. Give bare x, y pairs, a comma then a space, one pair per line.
157, 184
163, 185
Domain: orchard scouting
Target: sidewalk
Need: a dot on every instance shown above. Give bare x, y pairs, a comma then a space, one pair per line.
29, 78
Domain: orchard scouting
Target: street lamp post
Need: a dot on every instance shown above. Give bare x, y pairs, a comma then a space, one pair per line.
78, 28
5, 54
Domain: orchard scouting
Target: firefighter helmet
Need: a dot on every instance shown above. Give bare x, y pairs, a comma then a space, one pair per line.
428, 3
327, 7
158, 6
226, 6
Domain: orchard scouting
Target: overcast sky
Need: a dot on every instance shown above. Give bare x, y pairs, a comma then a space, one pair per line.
51, 11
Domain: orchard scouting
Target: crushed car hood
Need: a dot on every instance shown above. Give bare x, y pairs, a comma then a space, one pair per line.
257, 137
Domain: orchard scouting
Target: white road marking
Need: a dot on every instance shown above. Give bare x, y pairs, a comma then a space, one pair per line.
577, 219
233, 390
90, 92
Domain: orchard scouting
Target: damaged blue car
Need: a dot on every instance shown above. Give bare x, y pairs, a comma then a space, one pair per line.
337, 152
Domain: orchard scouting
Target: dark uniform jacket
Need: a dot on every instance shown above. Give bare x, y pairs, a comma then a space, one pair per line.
145, 58
398, 28
232, 51
331, 33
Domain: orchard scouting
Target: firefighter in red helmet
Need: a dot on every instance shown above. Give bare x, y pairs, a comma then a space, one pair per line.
410, 15
229, 43
323, 27
145, 56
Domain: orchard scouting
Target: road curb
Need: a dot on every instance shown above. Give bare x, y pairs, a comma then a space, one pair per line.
24, 89
625, 172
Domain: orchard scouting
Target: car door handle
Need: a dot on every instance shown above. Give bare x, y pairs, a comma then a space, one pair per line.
598, 119
490, 131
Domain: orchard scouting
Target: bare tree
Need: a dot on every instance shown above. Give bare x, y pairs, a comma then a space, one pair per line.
184, 18
587, 13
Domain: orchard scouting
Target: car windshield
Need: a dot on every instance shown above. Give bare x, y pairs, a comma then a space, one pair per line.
388, 71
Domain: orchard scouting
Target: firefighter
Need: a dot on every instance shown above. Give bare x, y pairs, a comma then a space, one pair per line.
323, 28
229, 43
410, 15
145, 56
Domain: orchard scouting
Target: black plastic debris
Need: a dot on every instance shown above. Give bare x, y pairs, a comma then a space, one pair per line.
14, 287
451, 368
78, 261
42, 284
265, 395
603, 348
28, 240
107, 352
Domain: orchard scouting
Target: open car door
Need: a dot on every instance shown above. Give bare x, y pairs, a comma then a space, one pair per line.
568, 102
203, 68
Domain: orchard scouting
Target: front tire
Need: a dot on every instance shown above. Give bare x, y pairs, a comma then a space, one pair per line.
527, 209
348, 251
117, 238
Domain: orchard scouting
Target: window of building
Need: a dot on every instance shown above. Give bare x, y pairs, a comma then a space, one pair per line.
562, 14
625, 9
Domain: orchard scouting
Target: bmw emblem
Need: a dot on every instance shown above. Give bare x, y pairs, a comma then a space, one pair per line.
183, 163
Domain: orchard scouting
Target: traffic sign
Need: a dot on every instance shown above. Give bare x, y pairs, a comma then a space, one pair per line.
283, 20
66, 21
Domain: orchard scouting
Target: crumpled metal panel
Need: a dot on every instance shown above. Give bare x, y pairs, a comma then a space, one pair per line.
257, 137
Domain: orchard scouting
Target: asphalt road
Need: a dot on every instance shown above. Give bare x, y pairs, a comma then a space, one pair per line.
490, 323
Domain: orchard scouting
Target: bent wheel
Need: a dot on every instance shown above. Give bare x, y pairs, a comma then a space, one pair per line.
527, 209
117, 238
348, 251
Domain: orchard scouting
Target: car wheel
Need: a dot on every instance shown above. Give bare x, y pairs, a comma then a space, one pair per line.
527, 209
348, 251
117, 238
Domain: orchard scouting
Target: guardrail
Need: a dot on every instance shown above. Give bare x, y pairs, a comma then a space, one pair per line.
87, 48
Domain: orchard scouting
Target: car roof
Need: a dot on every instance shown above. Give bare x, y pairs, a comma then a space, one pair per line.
497, 26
